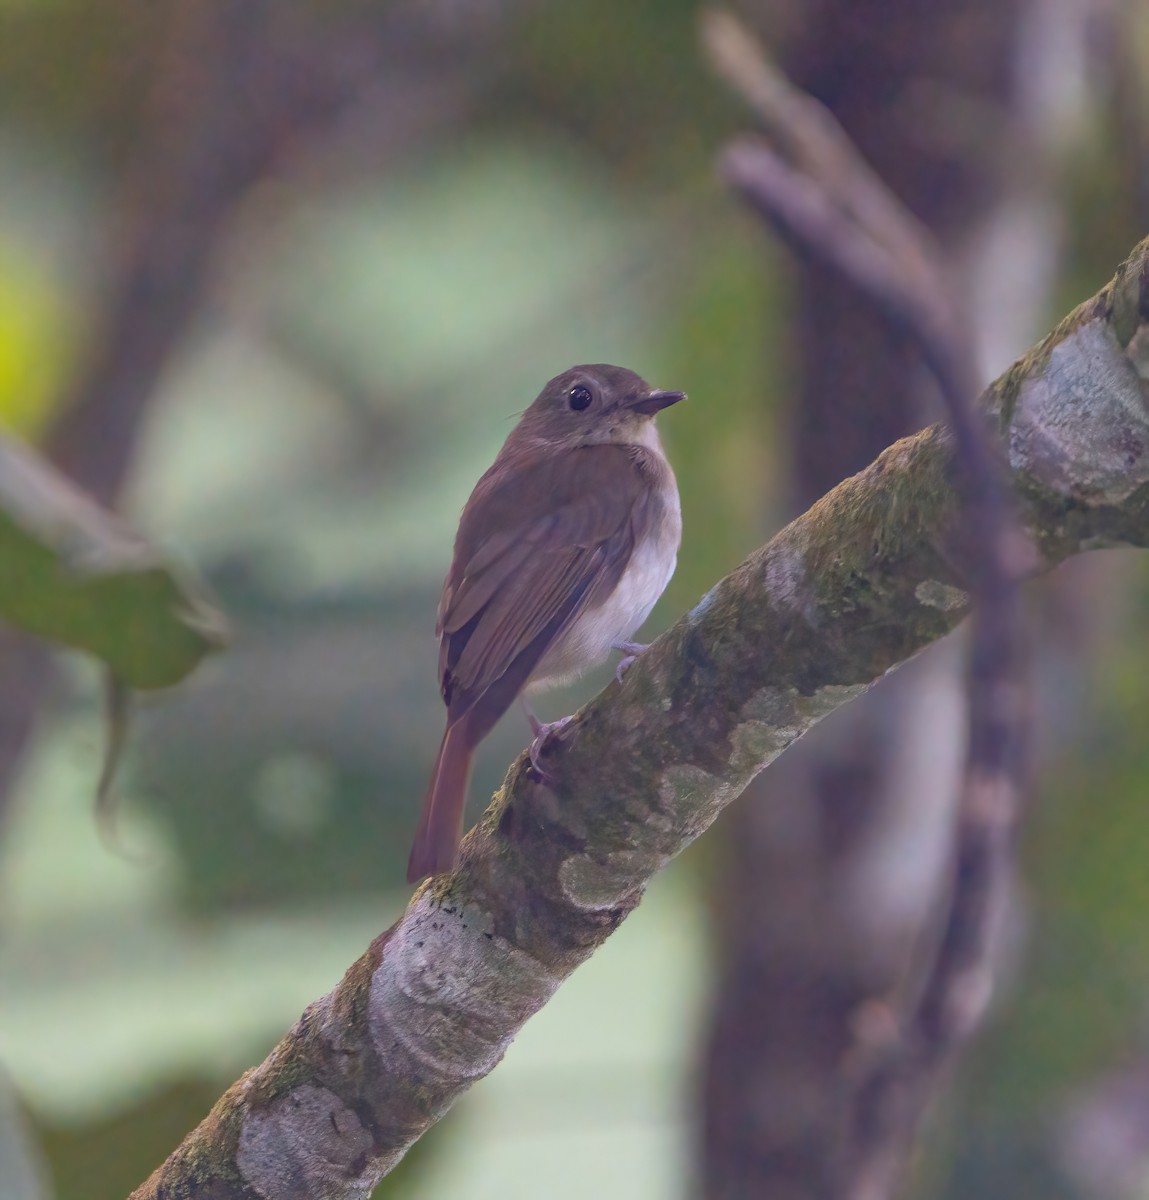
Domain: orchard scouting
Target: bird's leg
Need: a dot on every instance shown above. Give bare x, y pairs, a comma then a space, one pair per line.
630, 651
541, 730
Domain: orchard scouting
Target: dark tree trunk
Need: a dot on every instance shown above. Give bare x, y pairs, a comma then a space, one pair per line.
800, 957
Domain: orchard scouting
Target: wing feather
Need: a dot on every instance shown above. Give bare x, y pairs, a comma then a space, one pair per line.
557, 546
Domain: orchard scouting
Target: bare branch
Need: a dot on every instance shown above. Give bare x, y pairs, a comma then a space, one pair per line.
873, 572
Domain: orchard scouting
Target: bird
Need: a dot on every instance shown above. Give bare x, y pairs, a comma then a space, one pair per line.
563, 548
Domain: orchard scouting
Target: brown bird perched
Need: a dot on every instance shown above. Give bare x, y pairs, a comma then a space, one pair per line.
562, 550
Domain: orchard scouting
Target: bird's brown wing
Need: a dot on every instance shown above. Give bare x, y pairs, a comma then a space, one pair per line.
529, 561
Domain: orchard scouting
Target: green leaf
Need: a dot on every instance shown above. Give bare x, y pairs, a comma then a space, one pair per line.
72, 573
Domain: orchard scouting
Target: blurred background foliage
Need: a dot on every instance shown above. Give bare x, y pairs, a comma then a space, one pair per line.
339, 247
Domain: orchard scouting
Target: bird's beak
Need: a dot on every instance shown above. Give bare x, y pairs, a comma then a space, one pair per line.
654, 401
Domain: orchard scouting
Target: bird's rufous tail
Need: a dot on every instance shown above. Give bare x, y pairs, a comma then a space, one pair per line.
436, 845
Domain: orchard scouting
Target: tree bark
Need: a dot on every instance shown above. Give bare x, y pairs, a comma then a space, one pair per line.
871, 574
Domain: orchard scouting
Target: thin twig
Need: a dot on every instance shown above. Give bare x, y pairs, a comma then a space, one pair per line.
816, 190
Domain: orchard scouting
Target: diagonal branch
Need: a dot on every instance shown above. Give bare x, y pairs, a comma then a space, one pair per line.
872, 573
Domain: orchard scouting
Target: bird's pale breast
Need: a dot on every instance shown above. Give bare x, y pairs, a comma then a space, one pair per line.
589, 640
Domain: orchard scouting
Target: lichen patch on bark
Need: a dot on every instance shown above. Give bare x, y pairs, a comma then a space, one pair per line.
826, 699
1081, 427
593, 886
785, 570
279, 1157
1138, 351
451, 993
699, 611
935, 594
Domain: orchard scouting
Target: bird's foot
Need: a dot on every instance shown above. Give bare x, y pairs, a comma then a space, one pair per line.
630, 651
542, 731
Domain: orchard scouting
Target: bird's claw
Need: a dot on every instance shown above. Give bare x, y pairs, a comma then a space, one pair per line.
623, 663
630, 651
542, 730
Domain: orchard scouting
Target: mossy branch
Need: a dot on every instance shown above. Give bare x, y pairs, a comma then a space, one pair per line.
872, 573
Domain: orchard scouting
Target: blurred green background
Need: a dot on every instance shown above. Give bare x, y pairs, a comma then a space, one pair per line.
339, 246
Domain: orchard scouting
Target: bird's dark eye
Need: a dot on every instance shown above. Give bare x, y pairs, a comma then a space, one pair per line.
580, 398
